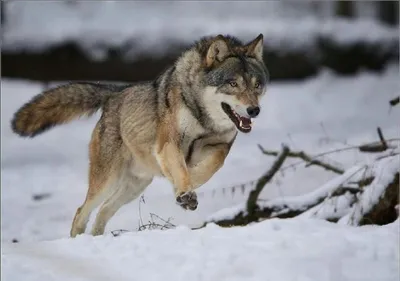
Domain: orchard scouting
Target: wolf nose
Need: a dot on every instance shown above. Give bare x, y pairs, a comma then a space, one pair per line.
253, 111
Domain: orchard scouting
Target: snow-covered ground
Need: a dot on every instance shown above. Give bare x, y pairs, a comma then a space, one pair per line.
140, 26
318, 114
278, 250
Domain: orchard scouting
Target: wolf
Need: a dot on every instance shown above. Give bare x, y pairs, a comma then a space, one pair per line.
180, 126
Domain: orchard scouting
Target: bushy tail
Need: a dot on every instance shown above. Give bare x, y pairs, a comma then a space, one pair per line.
61, 105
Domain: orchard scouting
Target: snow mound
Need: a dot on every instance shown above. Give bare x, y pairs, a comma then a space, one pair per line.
279, 250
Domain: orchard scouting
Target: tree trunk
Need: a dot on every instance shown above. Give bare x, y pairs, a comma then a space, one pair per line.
3, 20
388, 12
344, 9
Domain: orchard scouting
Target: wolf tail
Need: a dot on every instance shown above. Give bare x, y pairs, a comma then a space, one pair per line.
61, 105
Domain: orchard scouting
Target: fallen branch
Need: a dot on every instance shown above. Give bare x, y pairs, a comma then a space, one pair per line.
375, 147
383, 209
332, 208
306, 158
363, 194
298, 204
343, 189
253, 196
376, 204
242, 186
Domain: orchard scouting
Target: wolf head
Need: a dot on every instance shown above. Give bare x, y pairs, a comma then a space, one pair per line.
235, 77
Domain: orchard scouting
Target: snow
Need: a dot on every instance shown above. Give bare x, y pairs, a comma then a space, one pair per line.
277, 250
228, 213
332, 208
139, 26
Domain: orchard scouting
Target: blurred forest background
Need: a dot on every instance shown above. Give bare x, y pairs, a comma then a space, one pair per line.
135, 40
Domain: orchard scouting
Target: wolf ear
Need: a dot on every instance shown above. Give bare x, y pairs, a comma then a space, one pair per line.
217, 51
255, 48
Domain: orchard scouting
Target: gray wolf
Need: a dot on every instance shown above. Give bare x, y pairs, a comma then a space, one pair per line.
180, 126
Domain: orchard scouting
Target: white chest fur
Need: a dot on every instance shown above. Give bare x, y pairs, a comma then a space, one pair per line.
187, 123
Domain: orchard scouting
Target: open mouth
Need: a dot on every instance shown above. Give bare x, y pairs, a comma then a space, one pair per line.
243, 124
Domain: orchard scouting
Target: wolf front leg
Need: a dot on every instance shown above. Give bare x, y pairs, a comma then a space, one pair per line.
209, 160
173, 166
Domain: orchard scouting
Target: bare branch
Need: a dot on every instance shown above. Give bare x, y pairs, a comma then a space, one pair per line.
339, 200
165, 224
306, 158
338, 150
392, 153
294, 165
253, 196
380, 134
343, 189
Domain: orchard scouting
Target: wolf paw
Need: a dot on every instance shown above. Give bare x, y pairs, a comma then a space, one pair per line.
187, 200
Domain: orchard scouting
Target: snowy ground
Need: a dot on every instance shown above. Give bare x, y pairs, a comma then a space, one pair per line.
276, 250
318, 114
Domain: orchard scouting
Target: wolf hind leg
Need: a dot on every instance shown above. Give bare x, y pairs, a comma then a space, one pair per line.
103, 171
99, 187
83, 213
130, 187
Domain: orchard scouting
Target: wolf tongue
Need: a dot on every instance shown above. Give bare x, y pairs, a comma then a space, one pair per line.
246, 122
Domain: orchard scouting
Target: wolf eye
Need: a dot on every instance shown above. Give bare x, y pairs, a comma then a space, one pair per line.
233, 84
257, 85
